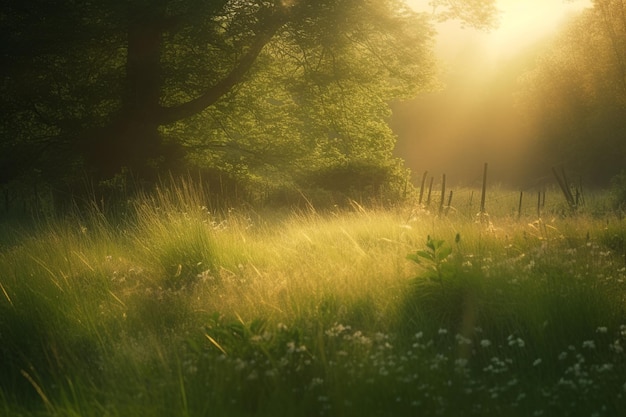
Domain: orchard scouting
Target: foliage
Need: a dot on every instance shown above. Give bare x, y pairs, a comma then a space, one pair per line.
434, 259
356, 179
575, 96
480, 14
252, 89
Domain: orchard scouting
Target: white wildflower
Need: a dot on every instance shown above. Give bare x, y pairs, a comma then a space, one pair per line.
316, 382
516, 342
589, 344
616, 347
337, 329
461, 340
461, 362
379, 337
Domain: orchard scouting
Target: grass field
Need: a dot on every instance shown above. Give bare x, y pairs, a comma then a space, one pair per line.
176, 310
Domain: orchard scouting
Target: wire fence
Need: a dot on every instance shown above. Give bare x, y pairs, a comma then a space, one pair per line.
545, 196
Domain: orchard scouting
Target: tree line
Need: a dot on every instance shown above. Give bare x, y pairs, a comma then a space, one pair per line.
574, 97
289, 92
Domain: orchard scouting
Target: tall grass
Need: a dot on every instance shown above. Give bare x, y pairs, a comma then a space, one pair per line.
179, 309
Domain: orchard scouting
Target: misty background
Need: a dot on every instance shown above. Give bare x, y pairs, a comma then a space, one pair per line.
475, 117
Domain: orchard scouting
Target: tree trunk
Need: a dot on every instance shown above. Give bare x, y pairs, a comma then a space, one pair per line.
132, 141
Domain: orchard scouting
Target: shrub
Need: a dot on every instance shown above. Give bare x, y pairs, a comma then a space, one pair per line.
357, 179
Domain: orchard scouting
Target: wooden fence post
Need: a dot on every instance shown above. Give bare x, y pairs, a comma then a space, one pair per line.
563, 184
449, 202
484, 192
430, 190
443, 193
422, 187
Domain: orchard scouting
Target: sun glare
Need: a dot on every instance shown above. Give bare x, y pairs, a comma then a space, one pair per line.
520, 24
523, 22
474, 118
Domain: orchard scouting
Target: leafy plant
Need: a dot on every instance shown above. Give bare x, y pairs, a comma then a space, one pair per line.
434, 259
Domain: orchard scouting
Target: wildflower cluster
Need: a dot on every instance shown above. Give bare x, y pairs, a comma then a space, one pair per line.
434, 373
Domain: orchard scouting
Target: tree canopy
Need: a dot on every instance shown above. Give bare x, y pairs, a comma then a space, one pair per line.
575, 96
244, 86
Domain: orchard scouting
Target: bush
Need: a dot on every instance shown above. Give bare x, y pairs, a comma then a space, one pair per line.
357, 179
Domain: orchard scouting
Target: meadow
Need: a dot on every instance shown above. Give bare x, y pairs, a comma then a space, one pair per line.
173, 308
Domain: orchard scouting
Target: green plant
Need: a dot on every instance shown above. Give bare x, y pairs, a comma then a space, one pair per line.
434, 259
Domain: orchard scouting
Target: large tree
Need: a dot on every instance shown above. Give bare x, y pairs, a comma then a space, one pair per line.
99, 87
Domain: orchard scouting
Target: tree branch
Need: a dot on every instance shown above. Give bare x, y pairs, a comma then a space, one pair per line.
168, 115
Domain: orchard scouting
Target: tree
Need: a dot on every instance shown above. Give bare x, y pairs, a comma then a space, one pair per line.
141, 85
611, 19
575, 97
476, 13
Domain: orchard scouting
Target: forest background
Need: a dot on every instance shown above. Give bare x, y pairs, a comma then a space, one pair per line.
272, 100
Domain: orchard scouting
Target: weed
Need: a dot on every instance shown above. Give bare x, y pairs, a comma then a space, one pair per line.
434, 259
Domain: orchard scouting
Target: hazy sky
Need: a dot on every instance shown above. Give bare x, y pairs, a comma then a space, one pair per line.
521, 22
474, 119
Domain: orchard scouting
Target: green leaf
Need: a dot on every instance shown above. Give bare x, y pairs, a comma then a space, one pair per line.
426, 255
413, 257
443, 252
